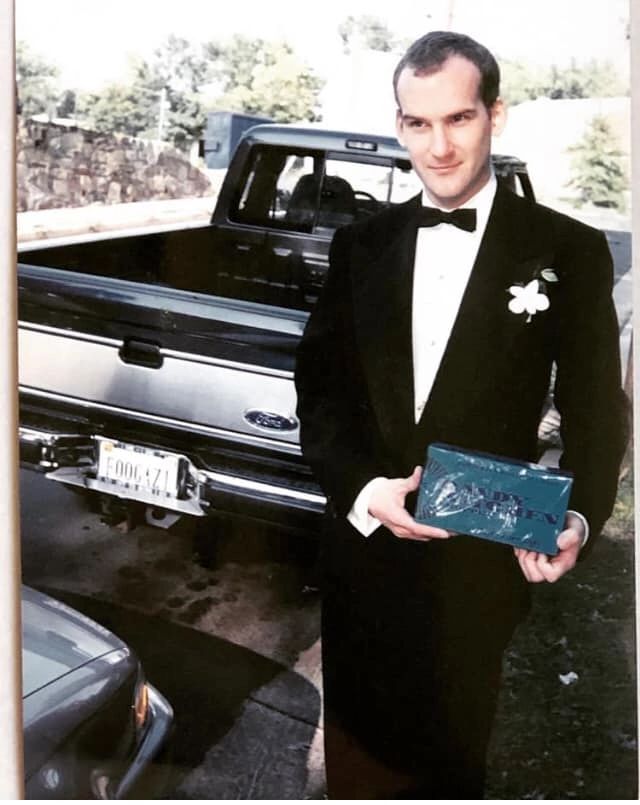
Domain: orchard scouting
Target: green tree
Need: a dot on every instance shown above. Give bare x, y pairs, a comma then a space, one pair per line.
371, 31
171, 92
174, 77
521, 82
591, 80
67, 103
564, 83
265, 78
118, 108
232, 65
597, 171
37, 82
603, 81
162, 100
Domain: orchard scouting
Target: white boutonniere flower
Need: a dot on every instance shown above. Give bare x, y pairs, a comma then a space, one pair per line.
528, 298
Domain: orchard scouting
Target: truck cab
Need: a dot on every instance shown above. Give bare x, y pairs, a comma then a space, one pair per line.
289, 188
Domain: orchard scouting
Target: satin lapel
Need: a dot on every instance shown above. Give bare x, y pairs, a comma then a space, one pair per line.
383, 286
511, 250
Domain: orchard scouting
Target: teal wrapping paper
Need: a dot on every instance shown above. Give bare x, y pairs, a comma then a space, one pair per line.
493, 497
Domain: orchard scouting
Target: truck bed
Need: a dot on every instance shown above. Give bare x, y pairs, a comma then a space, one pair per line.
157, 368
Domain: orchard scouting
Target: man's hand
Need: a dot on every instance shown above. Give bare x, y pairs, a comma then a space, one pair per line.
387, 504
538, 567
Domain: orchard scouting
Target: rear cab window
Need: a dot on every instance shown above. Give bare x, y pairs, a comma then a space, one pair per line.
318, 192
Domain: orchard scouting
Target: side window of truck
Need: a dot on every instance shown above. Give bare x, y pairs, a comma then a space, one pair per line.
314, 192
273, 179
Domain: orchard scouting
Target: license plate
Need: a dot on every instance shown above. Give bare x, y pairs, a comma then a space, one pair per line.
139, 469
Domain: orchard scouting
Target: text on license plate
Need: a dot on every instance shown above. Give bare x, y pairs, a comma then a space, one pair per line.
138, 468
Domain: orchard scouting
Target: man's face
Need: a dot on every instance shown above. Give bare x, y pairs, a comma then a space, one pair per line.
446, 128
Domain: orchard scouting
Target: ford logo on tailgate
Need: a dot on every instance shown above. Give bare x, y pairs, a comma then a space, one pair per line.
270, 420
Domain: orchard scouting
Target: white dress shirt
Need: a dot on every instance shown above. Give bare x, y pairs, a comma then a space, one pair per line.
444, 257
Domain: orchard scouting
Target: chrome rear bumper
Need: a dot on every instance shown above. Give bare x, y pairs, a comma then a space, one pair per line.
70, 458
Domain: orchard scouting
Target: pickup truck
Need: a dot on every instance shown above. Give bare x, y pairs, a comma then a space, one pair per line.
156, 369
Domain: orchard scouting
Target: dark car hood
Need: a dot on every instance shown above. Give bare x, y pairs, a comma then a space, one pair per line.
57, 639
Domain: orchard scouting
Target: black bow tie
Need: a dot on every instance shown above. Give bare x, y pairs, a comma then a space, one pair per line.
463, 219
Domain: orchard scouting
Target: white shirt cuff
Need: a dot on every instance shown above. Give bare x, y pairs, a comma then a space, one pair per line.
585, 523
358, 515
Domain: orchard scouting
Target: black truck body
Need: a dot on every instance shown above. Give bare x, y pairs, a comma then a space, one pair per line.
158, 368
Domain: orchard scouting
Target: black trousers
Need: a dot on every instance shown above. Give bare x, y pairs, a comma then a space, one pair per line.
411, 668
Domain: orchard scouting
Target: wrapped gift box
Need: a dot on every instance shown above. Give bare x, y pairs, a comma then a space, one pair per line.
493, 497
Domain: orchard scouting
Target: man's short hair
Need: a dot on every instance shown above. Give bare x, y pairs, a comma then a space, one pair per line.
427, 55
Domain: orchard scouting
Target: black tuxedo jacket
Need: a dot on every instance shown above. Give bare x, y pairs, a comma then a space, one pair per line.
354, 373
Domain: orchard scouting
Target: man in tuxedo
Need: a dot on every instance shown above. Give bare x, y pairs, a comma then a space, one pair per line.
443, 324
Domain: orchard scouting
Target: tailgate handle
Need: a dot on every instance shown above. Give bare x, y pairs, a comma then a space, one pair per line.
141, 353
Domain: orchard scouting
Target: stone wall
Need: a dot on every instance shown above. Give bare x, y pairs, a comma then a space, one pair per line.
64, 166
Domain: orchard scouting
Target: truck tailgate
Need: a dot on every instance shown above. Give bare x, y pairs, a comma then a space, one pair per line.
193, 387
178, 355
